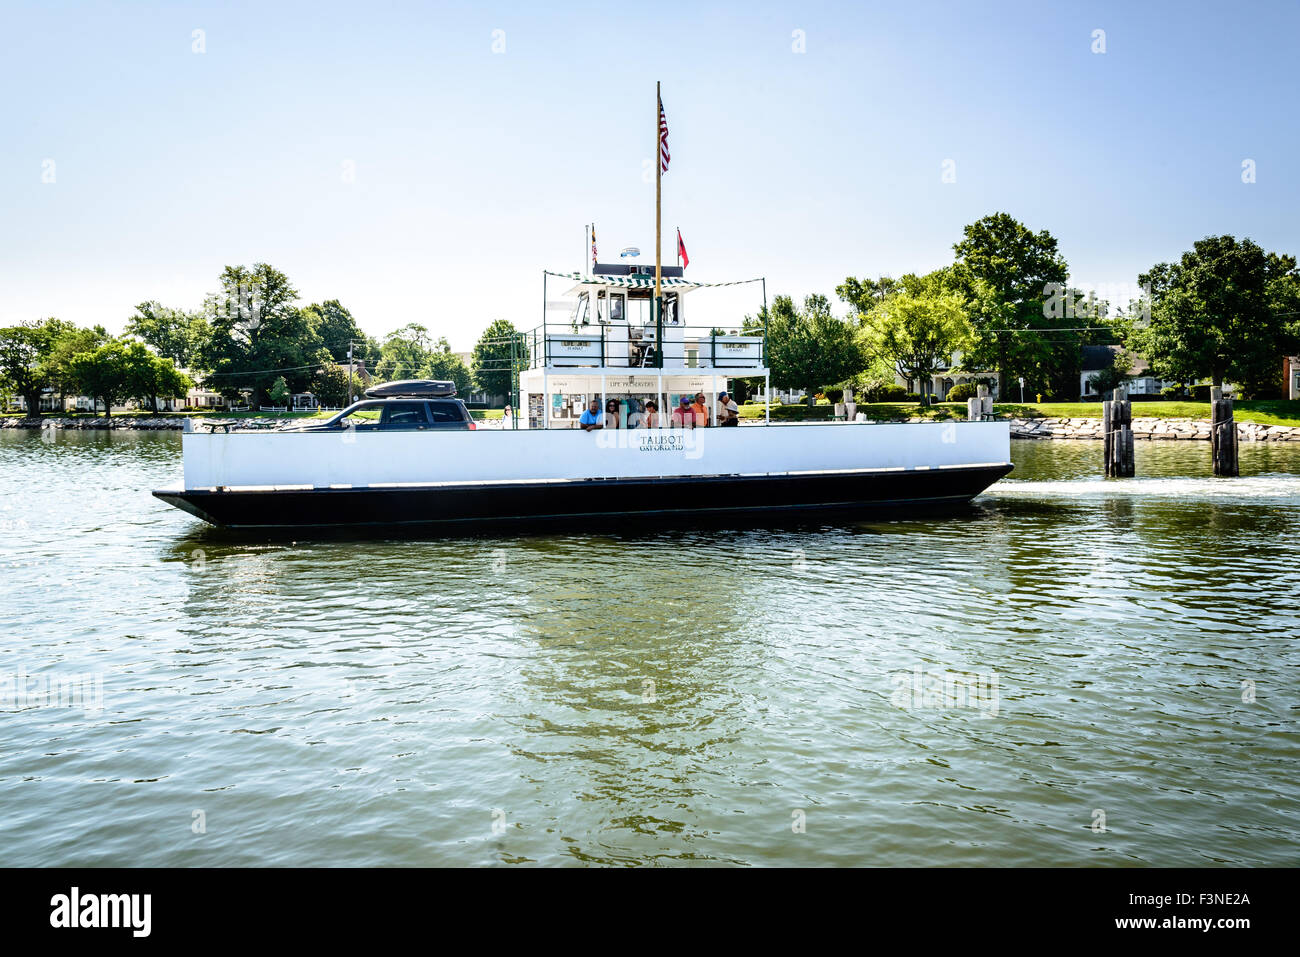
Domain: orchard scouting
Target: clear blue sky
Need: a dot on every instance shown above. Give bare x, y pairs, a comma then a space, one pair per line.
475, 170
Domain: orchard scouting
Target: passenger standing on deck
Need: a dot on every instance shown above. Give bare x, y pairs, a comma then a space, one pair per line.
592, 418
611, 414
636, 418
728, 411
683, 417
700, 410
651, 420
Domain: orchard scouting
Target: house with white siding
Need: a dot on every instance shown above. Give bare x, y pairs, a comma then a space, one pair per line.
1097, 359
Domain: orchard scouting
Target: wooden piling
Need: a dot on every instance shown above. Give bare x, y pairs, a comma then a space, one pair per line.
980, 408
1117, 426
1107, 435
1223, 435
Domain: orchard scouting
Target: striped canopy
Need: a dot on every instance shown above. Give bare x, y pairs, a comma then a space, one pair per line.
642, 282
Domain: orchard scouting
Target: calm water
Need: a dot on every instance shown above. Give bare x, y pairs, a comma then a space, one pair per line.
733, 696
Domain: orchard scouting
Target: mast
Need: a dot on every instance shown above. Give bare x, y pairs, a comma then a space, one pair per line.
659, 172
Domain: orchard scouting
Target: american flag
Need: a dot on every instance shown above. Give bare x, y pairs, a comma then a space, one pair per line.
663, 137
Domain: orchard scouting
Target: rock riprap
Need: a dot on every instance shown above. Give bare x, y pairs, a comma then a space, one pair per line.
1164, 430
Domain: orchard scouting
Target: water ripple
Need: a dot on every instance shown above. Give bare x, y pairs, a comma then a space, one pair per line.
807, 694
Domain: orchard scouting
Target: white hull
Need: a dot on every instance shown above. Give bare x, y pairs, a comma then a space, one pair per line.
370, 459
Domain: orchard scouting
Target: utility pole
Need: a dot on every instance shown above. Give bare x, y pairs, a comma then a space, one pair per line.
349, 372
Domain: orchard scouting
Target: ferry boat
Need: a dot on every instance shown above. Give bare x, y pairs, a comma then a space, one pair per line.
396, 459
389, 461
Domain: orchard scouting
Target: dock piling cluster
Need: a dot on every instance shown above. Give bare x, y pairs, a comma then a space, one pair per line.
980, 408
1117, 429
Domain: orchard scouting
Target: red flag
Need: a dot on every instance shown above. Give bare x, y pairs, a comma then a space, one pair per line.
681, 250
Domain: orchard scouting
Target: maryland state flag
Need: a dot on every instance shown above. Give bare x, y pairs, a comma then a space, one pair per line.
681, 251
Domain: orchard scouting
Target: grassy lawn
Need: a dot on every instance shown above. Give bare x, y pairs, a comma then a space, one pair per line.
1265, 412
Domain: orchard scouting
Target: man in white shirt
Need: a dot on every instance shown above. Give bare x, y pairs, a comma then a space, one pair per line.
728, 411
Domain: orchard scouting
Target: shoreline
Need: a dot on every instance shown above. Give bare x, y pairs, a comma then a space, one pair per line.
1068, 429
136, 423
1149, 429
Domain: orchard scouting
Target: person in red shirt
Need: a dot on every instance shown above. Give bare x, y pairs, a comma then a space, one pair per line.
683, 417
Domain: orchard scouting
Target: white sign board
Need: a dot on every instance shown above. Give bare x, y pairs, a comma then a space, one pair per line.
573, 348
731, 352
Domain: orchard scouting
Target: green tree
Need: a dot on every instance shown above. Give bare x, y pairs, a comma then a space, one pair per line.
256, 334
404, 353
918, 328
172, 333
104, 374
336, 328
809, 348
150, 377
330, 384
865, 294
24, 350
169, 382
1217, 313
1007, 272
490, 363
279, 392
67, 340
1283, 293
441, 363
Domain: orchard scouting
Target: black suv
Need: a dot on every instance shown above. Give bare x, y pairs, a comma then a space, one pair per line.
409, 406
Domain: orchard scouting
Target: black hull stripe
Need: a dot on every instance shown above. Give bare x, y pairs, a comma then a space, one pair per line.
547, 502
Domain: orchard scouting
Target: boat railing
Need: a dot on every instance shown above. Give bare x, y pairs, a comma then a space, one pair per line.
632, 346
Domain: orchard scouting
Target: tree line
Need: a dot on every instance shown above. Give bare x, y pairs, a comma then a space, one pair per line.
1226, 311
69, 360
248, 339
